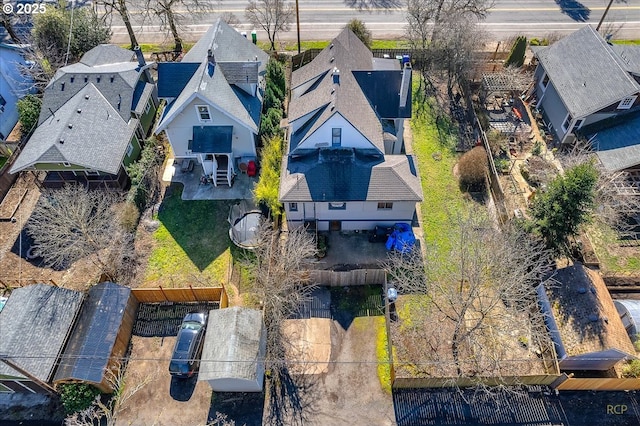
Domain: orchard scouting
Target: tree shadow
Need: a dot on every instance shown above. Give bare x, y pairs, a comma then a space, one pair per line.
243, 408
290, 400
200, 228
347, 303
574, 10
23, 247
377, 5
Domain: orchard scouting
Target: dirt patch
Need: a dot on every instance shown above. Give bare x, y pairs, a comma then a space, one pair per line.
165, 400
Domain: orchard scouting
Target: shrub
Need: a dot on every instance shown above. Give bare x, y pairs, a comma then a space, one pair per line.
270, 124
77, 396
275, 77
516, 57
632, 369
361, 31
29, 111
266, 190
497, 142
129, 216
141, 172
472, 168
271, 99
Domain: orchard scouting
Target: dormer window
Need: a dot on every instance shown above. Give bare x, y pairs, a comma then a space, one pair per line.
627, 102
203, 113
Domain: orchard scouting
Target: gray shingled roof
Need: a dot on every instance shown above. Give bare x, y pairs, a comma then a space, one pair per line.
235, 57
233, 344
355, 177
95, 136
586, 72
115, 80
629, 55
35, 324
104, 54
346, 53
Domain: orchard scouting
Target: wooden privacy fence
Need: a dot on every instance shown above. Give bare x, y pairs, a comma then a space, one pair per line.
347, 278
465, 382
599, 384
182, 295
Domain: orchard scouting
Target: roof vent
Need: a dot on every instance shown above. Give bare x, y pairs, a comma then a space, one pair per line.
86, 96
331, 46
582, 290
333, 106
332, 59
61, 141
70, 126
594, 317
79, 111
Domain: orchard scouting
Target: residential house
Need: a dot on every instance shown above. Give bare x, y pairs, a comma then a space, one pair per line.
95, 115
214, 100
14, 84
583, 322
345, 166
583, 81
234, 350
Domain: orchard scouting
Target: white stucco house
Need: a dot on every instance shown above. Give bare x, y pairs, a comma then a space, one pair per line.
214, 100
345, 166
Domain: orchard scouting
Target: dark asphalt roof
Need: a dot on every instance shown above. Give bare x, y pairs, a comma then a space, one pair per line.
417, 407
212, 139
35, 324
91, 343
382, 89
174, 76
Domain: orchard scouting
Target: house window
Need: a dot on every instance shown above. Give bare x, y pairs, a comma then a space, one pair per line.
66, 164
337, 206
578, 124
293, 207
147, 108
92, 173
627, 102
545, 81
567, 122
385, 206
203, 112
336, 136
129, 149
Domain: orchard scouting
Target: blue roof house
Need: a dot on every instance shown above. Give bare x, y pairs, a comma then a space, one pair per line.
214, 100
14, 84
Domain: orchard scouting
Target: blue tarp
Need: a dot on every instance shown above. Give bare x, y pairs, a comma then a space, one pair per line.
401, 239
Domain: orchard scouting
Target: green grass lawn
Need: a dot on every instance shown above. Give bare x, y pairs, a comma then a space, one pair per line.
614, 256
192, 244
434, 147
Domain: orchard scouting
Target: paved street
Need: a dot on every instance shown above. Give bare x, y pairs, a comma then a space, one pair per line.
322, 19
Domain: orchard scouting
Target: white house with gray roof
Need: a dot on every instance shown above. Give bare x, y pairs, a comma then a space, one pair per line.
584, 83
214, 100
345, 167
94, 116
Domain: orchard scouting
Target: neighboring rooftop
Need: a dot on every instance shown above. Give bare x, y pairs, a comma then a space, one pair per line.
618, 146
35, 324
587, 72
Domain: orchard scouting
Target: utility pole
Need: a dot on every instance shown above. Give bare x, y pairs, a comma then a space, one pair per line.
601, 19
298, 24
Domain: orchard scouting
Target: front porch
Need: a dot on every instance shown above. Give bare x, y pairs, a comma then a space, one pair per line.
191, 178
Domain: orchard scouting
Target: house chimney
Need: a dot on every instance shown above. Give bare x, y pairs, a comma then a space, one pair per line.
405, 85
140, 56
212, 62
336, 76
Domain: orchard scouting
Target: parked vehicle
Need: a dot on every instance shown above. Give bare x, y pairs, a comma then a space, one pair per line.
185, 360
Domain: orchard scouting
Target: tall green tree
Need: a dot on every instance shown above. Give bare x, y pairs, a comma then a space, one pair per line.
51, 34
518, 50
557, 213
28, 112
361, 31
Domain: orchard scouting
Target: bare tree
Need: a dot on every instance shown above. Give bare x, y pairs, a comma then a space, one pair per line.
273, 16
106, 412
419, 17
6, 21
120, 7
72, 223
467, 301
171, 18
280, 283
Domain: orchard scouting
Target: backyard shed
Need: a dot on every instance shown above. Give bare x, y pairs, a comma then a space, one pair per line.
100, 337
35, 325
234, 350
583, 322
